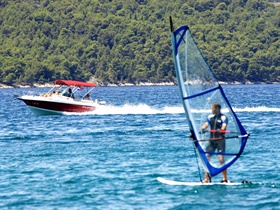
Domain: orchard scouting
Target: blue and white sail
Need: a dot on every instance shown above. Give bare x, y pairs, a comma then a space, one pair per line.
199, 89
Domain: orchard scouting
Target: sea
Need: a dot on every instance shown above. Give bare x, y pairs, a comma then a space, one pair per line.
111, 158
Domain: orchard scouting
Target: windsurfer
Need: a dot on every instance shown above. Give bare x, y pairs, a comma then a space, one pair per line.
217, 122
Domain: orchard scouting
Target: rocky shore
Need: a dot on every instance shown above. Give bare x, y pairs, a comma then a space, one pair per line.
49, 85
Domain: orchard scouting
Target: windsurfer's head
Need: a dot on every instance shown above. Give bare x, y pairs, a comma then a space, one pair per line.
216, 108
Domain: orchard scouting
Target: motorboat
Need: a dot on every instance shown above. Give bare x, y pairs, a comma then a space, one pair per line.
67, 96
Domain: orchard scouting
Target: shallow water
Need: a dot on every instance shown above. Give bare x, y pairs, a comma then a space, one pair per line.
110, 159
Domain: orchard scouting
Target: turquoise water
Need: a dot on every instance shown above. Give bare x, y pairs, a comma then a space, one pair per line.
110, 159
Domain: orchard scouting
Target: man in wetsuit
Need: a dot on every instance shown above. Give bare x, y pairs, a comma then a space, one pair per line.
217, 122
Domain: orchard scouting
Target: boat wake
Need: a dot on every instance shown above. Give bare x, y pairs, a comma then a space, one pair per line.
132, 109
150, 110
257, 109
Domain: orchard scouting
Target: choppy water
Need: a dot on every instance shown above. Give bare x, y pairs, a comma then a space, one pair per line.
110, 159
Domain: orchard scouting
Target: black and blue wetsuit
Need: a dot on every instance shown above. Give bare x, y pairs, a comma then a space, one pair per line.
216, 122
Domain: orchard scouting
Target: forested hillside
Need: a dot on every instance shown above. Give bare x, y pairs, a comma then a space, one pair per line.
117, 41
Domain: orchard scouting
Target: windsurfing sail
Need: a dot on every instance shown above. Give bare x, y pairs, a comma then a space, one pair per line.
199, 89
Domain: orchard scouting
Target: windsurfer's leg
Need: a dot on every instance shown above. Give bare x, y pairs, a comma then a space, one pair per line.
207, 178
224, 175
222, 148
224, 172
221, 159
207, 175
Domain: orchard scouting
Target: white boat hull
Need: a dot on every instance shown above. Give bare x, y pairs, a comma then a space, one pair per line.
57, 105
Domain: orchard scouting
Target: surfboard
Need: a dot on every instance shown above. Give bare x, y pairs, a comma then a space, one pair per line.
172, 182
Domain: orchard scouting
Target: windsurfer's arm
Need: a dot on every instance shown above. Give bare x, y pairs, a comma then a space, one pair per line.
203, 129
224, 127
225, 123
205, 126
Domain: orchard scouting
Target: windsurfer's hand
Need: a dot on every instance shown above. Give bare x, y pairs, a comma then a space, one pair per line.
218, 131
203, 130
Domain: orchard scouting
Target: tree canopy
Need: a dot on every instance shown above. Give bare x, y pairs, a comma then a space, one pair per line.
129, 40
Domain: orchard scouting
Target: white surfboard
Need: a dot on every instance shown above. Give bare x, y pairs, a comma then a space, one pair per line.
171, 182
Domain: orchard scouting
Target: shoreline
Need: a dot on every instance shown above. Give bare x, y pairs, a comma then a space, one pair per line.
50, 85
